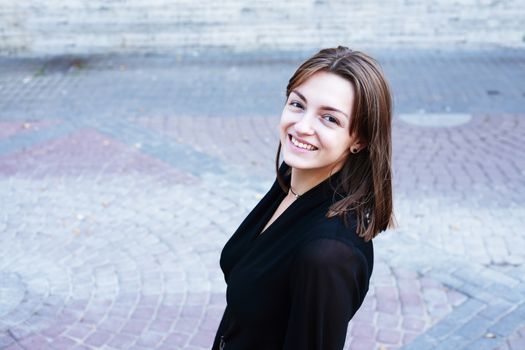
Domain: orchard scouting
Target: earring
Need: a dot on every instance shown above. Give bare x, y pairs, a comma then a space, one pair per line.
354, 150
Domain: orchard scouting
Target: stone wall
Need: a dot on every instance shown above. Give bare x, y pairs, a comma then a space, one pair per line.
56, 27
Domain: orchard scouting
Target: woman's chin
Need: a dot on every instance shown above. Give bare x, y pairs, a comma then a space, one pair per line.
298, 163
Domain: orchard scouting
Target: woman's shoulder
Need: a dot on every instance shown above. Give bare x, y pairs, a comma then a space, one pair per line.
327, 250
336, 228
324, 254
330, 238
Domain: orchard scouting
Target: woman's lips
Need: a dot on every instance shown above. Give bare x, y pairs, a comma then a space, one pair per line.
299, 149
301, 141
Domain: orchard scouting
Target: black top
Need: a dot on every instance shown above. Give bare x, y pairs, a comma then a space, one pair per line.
298, 284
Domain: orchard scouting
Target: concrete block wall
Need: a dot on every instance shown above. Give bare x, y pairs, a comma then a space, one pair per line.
33, 27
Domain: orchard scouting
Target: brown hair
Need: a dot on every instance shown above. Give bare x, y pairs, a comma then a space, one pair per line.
366, 176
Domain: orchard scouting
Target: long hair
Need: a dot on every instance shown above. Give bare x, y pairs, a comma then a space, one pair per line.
366, 176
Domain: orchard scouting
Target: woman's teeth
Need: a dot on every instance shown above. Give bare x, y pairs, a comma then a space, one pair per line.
302, 145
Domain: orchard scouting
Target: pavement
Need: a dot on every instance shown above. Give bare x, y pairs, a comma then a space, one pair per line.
121, 178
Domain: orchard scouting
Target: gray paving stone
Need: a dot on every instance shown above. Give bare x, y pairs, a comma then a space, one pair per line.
509, 294
484, 344
443, 329
496, 309
507, 324
422, 342
475, 328
453, 342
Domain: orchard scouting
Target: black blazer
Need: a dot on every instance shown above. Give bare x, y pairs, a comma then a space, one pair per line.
296, 286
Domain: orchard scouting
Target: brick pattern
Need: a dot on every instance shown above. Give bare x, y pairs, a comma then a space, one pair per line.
114, 218
38, 27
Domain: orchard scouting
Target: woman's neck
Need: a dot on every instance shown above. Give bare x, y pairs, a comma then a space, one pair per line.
303, 180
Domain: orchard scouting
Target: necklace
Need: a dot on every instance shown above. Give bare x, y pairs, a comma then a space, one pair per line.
293, 192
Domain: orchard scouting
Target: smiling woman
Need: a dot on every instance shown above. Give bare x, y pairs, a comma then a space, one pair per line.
298, 267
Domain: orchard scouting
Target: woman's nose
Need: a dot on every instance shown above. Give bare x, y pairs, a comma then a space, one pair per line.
305, 124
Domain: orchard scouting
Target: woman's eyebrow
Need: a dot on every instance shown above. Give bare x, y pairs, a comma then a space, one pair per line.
328, 108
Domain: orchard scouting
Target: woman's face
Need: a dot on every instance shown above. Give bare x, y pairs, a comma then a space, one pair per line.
317, 115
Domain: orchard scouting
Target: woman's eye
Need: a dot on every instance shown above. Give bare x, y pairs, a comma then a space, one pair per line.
296, 104
331, 118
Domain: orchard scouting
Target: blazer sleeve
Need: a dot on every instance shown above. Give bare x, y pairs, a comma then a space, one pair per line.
329, 281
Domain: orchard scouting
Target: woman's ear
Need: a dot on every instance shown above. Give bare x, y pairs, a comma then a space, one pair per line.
357, 146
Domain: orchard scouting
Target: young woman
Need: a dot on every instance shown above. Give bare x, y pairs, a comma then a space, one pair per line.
298, 267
